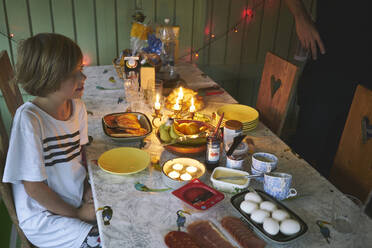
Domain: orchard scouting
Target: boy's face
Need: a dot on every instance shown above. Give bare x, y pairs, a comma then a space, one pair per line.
73, 86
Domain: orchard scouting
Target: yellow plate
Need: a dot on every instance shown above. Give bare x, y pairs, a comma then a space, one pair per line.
239, 112
124, 160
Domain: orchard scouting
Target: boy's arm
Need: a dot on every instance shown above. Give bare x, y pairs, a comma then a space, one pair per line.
305, 28
49, 199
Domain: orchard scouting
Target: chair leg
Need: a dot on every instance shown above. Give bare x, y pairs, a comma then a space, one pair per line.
13, 237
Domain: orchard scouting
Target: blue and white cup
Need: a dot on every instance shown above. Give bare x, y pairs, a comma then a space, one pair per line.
264, 162
278, 185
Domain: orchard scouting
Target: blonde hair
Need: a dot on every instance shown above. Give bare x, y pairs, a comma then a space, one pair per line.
44, 61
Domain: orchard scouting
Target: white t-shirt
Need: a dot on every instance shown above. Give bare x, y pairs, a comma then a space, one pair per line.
44, 149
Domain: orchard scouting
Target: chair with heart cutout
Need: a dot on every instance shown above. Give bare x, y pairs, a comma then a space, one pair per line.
352, 167
276, 91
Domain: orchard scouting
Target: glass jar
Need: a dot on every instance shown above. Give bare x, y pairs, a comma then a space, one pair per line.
231, 129
213, 152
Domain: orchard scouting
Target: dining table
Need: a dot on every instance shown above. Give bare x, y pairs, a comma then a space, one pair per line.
142, 219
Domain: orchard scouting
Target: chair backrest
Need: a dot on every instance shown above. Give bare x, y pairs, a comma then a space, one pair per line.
276, 90
6, 189
352, 167
10, 91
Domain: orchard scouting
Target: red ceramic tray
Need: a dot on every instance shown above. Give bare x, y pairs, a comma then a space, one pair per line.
199, 195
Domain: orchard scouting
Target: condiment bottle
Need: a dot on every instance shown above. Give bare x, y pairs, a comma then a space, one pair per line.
213, 151
231, 129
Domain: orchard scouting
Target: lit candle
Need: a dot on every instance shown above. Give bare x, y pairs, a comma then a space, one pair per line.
186, 177
177, 105
157, 103
192, 107
191, 169
180, 94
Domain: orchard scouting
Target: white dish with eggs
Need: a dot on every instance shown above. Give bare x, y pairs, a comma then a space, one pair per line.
269, 218
179, 171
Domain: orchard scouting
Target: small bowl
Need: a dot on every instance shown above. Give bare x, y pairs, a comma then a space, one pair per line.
176, 182
264, 162
226, 185
124, 137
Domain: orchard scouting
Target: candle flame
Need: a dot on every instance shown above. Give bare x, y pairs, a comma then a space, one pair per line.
192, 107
157, 98
180, 94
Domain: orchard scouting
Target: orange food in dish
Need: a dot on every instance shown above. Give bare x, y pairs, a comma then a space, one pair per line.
124, 123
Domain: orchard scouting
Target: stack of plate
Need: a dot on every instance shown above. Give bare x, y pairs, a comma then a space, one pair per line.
243, 113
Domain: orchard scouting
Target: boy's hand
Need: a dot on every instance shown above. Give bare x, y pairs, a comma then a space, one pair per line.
86, 212
88, 196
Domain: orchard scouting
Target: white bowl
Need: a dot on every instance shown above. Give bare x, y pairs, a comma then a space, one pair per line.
227, 185
175, 183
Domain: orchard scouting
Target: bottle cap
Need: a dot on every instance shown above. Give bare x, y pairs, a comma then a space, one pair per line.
233, 124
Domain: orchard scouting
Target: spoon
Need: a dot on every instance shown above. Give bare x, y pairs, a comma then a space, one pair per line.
238, 177
104, 88
236, 142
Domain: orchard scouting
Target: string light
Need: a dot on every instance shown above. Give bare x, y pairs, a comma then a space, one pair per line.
247, 13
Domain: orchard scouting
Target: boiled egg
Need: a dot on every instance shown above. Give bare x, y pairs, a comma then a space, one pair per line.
259, 215
271, 226
186, 177
177, 166
268, 206
191, 169
280, 215
289, 227
248, 206
254, 197
174, 174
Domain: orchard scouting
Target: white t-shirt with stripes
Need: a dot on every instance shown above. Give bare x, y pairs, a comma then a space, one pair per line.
44, 149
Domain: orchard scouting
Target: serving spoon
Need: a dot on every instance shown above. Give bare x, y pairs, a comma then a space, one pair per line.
238, 177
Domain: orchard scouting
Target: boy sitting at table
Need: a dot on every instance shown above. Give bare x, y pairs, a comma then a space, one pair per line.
44, 163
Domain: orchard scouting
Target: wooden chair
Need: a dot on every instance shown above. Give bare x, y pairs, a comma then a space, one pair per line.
352, 167
13, 99
10, 91
6, 189
275, 93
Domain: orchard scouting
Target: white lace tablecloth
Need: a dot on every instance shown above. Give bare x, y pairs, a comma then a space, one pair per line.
142, 219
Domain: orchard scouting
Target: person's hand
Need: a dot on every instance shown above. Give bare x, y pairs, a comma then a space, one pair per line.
88, 196
309, 36
86, 212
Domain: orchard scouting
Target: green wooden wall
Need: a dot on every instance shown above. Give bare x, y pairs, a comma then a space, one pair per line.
102, 27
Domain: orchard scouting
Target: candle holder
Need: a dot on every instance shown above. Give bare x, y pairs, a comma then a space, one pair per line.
191, 115
177, 114
157, 115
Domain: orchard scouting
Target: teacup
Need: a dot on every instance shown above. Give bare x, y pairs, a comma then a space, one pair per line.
264, 162
257, 172
278, 185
